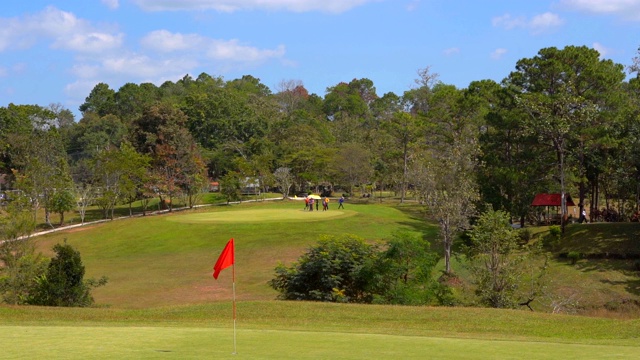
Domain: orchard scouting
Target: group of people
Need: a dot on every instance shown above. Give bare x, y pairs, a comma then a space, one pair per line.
310, 201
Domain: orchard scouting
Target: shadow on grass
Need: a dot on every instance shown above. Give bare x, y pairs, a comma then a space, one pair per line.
422, 224
626, 268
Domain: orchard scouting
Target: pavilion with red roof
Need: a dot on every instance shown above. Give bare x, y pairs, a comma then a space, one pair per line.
551, 200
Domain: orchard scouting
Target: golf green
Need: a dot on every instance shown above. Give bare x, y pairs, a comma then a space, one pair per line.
260, 215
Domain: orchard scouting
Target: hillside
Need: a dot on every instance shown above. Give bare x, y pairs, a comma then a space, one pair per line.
166, 260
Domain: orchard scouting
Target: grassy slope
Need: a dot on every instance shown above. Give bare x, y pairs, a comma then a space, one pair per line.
160, 276
165, 260
302, 330
599, 284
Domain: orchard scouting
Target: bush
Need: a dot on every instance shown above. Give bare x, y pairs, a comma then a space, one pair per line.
555, 231
346, 269
525, 235
574, 256
552, 239
63, 284
329, 271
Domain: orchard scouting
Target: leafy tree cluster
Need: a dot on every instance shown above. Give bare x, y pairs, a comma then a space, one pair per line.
348, 269
27, 277
564, 120
506, 274
63, 283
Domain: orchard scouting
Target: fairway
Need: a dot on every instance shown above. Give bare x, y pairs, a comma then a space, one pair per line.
107, 342
162, 303
259, 215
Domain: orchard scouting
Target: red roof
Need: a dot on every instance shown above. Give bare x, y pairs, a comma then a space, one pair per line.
550, 200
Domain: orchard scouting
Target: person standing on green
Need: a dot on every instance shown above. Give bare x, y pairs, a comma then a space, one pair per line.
340, 206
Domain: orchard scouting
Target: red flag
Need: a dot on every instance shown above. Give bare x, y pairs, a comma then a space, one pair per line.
226, 259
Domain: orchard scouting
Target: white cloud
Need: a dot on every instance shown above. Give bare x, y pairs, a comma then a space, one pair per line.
233, 50
546, 21
509, 22
100, 56
537, 24
332, 6
164, 41
111, 4
498, 53
63, 29
451, 51
628, 9
89, 42
132, 66
601, 49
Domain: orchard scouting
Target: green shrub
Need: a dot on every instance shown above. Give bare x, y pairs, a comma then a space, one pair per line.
555, 231
346, 269
525, 235
552, 239
574, 256
63, 283
329, 271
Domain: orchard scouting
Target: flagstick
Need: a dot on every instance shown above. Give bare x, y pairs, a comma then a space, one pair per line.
234, 308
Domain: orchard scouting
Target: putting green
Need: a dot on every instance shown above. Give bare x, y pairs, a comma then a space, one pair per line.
260, 215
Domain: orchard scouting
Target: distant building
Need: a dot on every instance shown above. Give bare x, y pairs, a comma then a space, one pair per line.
250, 186
214, 186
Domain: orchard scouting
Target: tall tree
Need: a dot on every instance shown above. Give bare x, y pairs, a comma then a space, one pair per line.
514, 166
444, 175
20, 265
162, 134
353, 165
565, 92
42, 168
101, 101
501, 269
131, 100
404, 128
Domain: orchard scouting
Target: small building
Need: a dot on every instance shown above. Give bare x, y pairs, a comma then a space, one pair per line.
553, 202
250, 186
214, 186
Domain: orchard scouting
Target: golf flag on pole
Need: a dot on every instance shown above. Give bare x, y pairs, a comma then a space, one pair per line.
226, 259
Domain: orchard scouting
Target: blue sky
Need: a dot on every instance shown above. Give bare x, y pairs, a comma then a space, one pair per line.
57, 51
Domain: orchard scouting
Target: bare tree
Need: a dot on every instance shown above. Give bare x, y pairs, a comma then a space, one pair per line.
290, 94
85, 194
284, 179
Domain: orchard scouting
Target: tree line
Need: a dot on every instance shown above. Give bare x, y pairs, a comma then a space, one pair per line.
564, 121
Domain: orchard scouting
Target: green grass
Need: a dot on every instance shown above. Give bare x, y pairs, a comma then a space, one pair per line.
602, 238
201, 343
289, 330
162, 302
167, 260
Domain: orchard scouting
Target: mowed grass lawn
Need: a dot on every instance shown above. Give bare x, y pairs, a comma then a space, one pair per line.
168, 259
302, 330
162, 302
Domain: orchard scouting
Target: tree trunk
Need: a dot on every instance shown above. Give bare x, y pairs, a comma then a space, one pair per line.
47, 217
404, 175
